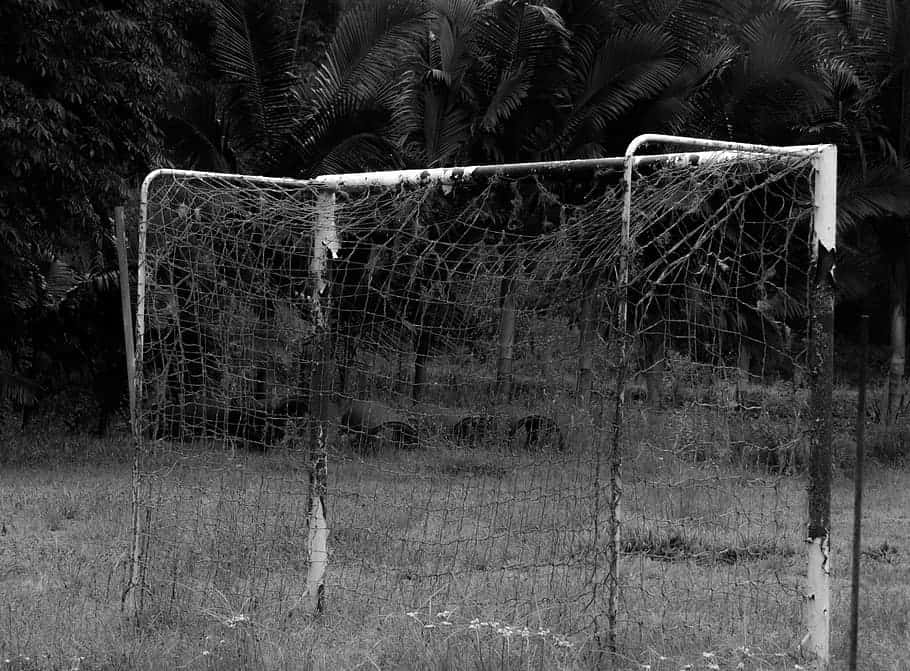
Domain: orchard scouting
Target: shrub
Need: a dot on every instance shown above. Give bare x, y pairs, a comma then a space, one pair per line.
889, 444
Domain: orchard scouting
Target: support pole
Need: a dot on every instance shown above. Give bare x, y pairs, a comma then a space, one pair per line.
132, 597
126, 308
325, 243
622, 332
821, 373
858, 490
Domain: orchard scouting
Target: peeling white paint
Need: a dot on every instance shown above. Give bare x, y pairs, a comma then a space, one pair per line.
326, 242
317, 542
817, 640
824, 222
734, 147
325, 239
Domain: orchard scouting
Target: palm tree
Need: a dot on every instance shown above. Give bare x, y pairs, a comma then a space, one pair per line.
353, 116
514, 81
66, 319
823, 71
238, 115
257, 107
880, 31
868, 83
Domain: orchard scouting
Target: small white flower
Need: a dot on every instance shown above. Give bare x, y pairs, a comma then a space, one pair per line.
206, 653
446, 623
646, 667
412, 614
444, 614
543, 632
662, 658
707, 655
714, 667
429, 626
234, 620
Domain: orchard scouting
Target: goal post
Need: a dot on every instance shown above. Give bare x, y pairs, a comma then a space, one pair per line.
816, 641
410, 392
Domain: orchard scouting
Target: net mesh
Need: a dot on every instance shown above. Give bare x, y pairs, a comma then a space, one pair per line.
475, 362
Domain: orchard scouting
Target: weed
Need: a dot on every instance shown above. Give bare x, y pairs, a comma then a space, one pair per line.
889, 444
510, 545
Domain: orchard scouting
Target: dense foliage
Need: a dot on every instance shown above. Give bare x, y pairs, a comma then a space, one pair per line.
94, 93
82, 89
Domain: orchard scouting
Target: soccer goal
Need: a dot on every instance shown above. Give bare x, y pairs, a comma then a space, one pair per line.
522, 411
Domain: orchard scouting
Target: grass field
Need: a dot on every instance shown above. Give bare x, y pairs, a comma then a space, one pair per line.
448, 558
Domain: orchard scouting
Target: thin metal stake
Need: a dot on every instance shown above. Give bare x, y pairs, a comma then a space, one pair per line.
858, 488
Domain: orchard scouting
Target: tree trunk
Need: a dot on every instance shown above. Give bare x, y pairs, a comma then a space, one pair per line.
421, 355
653, 367
585, 344
506, 336
744, 366
898, 298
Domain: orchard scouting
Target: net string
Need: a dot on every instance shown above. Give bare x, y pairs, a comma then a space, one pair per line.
451, 487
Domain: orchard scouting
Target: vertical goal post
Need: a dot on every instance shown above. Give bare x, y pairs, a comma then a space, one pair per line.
325, 245
816, 641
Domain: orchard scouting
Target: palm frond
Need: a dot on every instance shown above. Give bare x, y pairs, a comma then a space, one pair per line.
632, 66
441, 95
255, 55
517, 31
105, 282
883, 192
359, 152
361, 126
453, 27
361, 89
60, 279
371, 40
689, 97
777, 44
198, 134
776, 80
506, 99
446, 128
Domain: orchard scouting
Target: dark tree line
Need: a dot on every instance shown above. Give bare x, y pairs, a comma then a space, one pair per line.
94, 94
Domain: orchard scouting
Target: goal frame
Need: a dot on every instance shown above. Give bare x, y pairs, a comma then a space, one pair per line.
816, 641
